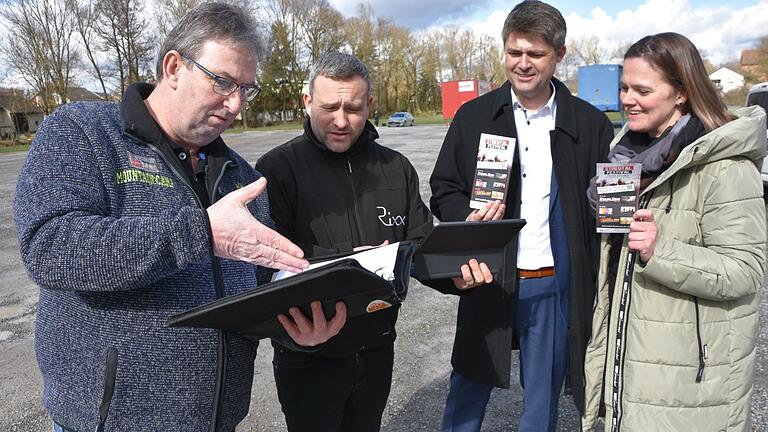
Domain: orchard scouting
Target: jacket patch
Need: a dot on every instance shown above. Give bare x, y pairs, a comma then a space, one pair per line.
386, 218
137, 176
144, 163
377, 305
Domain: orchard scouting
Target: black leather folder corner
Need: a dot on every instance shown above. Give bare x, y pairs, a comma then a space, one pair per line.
254, 312
452, 244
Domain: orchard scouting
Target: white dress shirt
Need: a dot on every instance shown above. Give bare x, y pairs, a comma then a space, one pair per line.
534, 147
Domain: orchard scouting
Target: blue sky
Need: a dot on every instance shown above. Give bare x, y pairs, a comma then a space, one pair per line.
721, 28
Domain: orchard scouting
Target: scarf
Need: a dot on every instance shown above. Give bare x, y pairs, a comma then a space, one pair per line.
655, 154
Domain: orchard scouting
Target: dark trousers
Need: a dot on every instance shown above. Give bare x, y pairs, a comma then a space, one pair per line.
333, 395
542, 330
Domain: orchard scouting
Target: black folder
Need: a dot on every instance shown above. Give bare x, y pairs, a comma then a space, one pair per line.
254, 312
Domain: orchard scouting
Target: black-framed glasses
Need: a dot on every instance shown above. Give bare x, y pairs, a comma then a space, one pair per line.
226, 87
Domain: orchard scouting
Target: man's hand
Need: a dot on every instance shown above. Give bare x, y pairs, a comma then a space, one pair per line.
642, 234
238, 235
306, 333
473, 274
493, 210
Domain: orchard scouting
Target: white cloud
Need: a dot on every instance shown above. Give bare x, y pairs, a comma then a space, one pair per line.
722, 32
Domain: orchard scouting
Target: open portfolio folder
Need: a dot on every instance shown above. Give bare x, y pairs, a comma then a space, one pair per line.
366, 281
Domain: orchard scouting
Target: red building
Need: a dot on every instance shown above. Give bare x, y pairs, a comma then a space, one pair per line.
455, 93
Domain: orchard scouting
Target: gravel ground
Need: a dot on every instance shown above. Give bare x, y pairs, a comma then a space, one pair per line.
423, 347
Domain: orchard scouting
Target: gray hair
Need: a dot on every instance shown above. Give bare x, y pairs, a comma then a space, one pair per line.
339, 66
210, 22
534, 17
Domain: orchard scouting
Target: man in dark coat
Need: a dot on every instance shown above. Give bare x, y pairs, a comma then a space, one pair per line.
547, 310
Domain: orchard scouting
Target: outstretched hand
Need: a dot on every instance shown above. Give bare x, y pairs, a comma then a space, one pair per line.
238, 235
319, 330
473, 274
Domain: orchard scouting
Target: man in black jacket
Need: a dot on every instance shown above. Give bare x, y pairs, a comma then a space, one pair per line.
559, 139
332, 190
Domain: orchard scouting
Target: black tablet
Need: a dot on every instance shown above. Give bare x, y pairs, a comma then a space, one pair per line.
452, 244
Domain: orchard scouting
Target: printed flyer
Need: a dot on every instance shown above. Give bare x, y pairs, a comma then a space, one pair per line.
494, 163
618, 185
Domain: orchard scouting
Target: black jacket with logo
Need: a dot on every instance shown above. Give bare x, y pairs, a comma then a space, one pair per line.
329, 203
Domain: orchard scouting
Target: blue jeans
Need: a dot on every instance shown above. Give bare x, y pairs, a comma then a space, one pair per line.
59, 428
542, 328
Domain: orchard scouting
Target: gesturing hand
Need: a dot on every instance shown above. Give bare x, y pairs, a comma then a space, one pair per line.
642, 234
319, 330
238, 235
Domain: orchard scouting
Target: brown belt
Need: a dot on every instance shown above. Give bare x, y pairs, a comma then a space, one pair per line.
533, 274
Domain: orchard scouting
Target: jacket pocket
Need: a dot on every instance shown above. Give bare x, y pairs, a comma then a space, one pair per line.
110, 377
703, 348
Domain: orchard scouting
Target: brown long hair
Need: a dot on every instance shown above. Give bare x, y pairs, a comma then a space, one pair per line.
678, 60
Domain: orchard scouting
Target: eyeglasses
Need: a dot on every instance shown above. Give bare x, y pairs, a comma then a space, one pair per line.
226, 87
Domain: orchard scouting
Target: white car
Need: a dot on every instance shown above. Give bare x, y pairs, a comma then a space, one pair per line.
400, 119
758, 95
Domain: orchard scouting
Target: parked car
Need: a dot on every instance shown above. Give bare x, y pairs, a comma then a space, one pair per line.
758, 95
400, 119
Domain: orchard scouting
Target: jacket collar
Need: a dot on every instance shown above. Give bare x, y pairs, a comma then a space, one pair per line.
565, 120
368, 136
139, 123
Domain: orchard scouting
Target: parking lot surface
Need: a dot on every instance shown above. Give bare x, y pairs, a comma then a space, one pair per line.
422, 351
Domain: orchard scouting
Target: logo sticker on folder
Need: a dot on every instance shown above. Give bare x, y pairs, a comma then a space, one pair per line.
377, 305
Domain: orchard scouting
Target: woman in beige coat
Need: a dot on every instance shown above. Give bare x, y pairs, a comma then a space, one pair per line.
674, 329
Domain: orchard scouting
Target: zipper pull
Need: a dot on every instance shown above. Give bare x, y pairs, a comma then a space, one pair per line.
349, 165
702, 357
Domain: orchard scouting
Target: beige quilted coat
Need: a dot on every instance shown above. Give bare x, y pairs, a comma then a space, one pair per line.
683, 357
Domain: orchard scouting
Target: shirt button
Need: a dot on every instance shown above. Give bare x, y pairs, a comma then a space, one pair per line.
182, 156
526, 149
523, 175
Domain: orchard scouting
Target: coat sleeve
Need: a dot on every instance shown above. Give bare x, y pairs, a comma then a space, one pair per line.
731, 263
69, 238
450, 190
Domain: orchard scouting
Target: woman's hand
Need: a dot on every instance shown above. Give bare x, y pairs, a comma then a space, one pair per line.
643, 234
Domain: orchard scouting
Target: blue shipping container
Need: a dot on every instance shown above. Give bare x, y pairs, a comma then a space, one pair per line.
599, 85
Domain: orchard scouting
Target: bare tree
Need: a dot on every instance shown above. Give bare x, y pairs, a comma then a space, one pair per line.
762, 58
287, 66
84, 15
452, 55
169, 12
40, 47
122, 30
589, 50
489, 64
360, 36
322, 27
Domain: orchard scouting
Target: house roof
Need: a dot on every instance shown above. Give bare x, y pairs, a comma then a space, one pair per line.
14, 100
725, 72
750, 57
81, 94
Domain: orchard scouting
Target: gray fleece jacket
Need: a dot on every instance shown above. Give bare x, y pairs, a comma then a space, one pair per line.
118, 243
